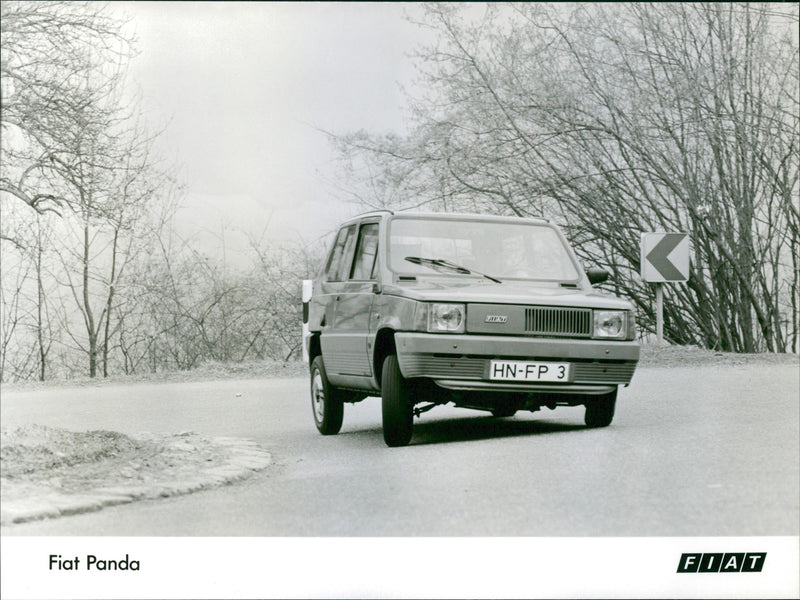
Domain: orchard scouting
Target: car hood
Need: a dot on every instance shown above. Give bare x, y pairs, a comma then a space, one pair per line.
503, 293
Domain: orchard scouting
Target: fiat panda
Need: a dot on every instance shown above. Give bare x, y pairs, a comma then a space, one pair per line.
484, 312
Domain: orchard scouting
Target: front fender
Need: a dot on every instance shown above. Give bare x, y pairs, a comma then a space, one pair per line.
394, 312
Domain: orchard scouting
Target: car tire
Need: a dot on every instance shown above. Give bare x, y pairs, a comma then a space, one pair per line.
327, 401
397, 404
600, 410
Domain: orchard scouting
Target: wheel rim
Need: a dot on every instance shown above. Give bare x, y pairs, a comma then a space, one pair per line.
318, 396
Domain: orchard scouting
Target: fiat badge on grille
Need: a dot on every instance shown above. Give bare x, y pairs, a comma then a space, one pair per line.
496, 319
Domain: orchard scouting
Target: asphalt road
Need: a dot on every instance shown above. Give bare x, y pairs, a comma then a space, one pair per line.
709, 451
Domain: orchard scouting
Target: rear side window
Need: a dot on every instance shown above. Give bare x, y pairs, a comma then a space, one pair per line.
341, 255
363, 267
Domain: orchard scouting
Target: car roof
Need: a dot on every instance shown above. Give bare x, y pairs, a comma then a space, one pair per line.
444, 215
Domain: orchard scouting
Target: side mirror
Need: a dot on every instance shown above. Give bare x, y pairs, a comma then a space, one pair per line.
596, 275
307, 290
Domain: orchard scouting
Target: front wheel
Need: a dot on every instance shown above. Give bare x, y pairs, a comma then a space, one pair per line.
600, 410
397, 404
326, 401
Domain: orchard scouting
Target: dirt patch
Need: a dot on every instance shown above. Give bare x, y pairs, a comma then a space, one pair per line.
48, 472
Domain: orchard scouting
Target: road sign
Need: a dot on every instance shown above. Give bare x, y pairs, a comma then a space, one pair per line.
665, 257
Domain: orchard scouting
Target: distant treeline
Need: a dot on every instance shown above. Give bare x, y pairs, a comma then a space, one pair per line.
611, 119
94, 278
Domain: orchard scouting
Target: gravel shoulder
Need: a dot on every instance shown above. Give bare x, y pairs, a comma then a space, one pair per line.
47, 472
663, 356
210, 371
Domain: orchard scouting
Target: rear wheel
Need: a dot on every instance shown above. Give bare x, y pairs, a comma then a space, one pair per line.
600, 410
326, 400
397, 404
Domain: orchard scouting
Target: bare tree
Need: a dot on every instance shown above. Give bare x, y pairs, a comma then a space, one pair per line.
110, 188
193, 308
53, 55
279, 273
43, 323
614, 120
73, 143
12, 312
25, 281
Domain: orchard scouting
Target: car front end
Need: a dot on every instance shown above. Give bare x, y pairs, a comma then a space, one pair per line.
488, 346
509, 310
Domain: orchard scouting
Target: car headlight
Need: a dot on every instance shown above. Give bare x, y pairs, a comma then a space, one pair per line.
610, 324
448, 318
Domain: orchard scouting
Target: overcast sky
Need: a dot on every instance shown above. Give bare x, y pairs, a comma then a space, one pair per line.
241, 88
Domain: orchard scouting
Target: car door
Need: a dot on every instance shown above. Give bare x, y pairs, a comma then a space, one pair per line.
323, 302
344, 343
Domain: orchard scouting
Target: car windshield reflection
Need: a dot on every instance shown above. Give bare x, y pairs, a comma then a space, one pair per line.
495, 250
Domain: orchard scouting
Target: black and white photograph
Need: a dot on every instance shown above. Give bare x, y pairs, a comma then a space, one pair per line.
392, 299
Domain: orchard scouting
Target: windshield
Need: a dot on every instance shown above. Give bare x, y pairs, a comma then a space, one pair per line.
501, 250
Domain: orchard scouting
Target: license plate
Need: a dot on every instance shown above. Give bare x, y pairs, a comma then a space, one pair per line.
520, 370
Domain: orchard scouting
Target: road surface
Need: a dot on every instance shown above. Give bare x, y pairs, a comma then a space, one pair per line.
698, 451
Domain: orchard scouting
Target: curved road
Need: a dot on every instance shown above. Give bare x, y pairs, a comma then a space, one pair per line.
709, 451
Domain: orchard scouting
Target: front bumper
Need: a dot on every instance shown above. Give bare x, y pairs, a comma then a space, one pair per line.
462, 361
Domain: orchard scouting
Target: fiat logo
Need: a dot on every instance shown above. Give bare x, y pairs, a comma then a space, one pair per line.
496, 319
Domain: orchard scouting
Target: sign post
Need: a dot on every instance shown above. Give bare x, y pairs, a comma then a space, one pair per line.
664, 257
660, 312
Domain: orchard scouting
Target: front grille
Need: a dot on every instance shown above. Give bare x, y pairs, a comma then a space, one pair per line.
603, 372
575, 322
459, 367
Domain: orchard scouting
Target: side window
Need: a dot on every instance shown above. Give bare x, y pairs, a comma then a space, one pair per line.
339, 261
366, 252
347, 254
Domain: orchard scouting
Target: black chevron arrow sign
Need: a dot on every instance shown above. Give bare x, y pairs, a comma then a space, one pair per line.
665, 257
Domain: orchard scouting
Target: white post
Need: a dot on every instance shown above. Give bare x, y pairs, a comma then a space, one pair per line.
308, 288
660, 312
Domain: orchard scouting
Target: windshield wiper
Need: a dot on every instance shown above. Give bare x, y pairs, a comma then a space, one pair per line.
446, 264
